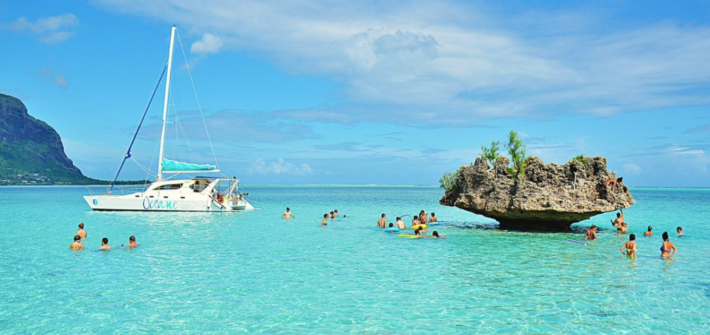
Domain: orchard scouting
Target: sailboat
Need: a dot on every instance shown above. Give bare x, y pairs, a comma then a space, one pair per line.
197, 194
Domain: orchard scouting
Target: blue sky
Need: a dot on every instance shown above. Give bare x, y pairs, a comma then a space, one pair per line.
321, 92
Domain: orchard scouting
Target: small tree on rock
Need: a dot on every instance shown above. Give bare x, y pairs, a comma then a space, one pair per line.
516, 150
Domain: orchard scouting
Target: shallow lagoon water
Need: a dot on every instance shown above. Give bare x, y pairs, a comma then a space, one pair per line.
253, 272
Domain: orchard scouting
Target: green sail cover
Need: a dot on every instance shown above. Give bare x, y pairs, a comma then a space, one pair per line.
170, 165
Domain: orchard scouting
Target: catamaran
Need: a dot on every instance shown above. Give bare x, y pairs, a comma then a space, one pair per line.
197, 194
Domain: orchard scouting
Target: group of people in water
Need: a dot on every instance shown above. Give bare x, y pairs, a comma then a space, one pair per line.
419, 224
668, 249
80, 237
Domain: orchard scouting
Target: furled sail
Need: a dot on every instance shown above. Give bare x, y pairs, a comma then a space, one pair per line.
175, 166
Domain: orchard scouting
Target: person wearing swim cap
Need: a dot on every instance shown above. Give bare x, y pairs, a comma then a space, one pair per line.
629, 248
76, 246
324, 223
104, 244
81, 231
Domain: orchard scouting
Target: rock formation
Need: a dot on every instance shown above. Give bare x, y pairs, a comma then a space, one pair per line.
547, 197
31, 151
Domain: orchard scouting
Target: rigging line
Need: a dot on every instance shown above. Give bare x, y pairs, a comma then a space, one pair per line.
128, 152
196, 98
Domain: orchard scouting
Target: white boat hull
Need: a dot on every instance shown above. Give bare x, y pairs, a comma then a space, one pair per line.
141, 203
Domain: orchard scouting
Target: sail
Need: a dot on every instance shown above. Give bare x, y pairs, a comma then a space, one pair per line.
175, 166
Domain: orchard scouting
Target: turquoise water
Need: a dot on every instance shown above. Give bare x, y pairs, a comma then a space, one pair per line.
252, 272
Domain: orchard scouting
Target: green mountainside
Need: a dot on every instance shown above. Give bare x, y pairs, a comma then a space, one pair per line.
31, 151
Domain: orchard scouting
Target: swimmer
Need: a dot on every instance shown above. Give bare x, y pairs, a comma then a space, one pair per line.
324, 223
621, 226
336, 212
104, 244
382, 222
416, 233
680, 232
400, 224
629, 248
433, 218
667, 247
392, 231
132, 242
435, 234
287, 214
415, 220
613, 182
77, 243
648, 233
423, 216
332, 216
81, 231
591, 234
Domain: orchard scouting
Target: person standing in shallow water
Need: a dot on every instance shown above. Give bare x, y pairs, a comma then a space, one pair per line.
433, 218
591, 234
132, 242
680, 232
104, 244
629, 248
76, 246
81, 231
667, 247
649, 232
400, 224
324, 223
287, 214
382, 222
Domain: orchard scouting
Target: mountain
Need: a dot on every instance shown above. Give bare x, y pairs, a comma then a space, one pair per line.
31, 151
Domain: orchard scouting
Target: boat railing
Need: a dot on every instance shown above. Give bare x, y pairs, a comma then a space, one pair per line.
118, 189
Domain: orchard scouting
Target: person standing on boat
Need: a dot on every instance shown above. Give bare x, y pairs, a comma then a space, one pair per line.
81, 231
287, 214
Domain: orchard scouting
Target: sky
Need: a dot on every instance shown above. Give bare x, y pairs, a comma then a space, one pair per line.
368, 92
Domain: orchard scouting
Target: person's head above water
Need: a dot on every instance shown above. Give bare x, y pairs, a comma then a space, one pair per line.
679, 229
433, 214
325, 215
435, 233
650, 228
81, 225
335, 210
104, 240
416, 232
618, 215
383, 214
632, 237
77, 238
288, 209
132, 239
399, 218
391, 224
594, 227
665, 236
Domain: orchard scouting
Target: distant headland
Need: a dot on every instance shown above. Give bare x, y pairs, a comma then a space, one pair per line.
31, 151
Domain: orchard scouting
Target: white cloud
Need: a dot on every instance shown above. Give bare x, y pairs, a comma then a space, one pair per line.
54, 29
632, 169
279, 166
456, 64
208, 44
49, 76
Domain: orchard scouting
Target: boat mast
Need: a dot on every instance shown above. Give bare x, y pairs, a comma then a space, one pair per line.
165, 105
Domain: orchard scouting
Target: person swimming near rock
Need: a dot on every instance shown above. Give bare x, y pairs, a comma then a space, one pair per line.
680, 232
400, 224
287, 214
104, 244
324, 223
77, 243
132, 242
433, 218
591, 234
620, 225
382, 222
613, 182
649, 232
629, 248
667, 247
81, 231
